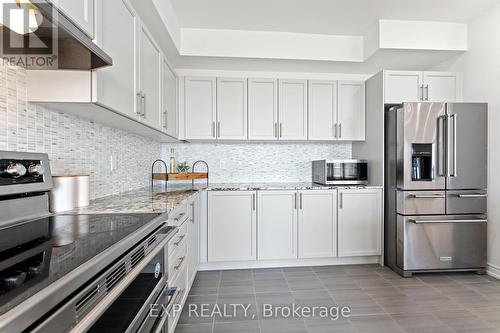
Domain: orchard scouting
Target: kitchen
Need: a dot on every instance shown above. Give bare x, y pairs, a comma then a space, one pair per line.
190, 166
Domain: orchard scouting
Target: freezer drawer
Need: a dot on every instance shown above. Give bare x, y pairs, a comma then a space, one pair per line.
466, 202
421, 202
441, 242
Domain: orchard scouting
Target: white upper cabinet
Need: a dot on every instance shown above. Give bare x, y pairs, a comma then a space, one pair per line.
403, 86
277, 225
317, 223
116, 86
169, 94
351, 111
200, 108
322, 110
415, 86
360, 222
231, 108
443, 87
292, 109
150, 79
232, 225
262, 109
81, 12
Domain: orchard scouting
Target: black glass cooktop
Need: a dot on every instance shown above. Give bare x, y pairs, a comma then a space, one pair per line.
35, 254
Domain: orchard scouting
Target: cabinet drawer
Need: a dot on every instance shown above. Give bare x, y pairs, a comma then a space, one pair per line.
179, 215
180, 282
177, 261
421, 202
178, 241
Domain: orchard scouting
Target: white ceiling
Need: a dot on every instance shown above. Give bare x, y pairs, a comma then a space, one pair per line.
339, 17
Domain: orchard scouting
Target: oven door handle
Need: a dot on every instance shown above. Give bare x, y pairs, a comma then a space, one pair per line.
176, 296
448, 221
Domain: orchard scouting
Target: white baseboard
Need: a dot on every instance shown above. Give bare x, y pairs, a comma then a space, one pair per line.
493, 270
210, 266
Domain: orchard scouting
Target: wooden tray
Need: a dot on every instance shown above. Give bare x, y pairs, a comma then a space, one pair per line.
180, 176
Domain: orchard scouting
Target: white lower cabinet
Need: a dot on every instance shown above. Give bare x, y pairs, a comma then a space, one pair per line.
277, 224
360, 222
317, 223
232, 225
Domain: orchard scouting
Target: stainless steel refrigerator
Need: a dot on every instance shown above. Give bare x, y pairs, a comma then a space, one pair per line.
436, 187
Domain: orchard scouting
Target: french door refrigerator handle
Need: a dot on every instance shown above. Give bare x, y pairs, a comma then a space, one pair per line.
441, 145
449, 147
455, 117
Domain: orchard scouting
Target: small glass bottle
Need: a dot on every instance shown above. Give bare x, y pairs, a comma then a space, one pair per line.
173, 165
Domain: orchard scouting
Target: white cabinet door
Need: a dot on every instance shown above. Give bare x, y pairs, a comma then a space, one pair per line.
322, 110
293, 109
231, 225
200, 108
116, 86
81, 12
317, 223
193, 228
262, 109
150, 79
403, 86
277, 225
442, 87
351, 111
360, 222
169, 93
231, 109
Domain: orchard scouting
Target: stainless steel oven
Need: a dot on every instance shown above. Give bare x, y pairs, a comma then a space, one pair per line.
340, 172
131, 295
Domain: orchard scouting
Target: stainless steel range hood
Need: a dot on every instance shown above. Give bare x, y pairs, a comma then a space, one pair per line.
71, 48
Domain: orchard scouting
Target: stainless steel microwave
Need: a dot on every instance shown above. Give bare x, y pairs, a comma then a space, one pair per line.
340, 172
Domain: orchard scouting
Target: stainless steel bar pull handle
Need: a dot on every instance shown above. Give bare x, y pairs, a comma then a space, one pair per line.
472, 195
179, 217
213, 129
335, 131
253, 201
427, 196
281, 130
340, 130
179, 264
138, 105
454, 116
179, 240
422, 92
218, 129
300, 201
452, 145
447, 221
143, 96
427, 92
295, 200
441, 146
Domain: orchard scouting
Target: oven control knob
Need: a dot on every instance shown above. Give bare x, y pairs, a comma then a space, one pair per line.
15, 170
36, 170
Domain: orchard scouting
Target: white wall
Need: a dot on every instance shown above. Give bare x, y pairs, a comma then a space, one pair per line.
481, 69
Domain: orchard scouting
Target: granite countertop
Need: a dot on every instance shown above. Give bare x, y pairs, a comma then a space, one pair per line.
137, 201
157, 201
279, 186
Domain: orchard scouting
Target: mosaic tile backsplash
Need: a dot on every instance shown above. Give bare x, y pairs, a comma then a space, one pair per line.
258, 162
74, 145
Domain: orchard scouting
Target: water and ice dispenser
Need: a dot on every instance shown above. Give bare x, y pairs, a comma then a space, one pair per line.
421, 162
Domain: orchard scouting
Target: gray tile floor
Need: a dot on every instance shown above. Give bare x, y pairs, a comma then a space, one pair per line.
379, 301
